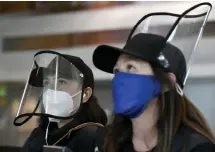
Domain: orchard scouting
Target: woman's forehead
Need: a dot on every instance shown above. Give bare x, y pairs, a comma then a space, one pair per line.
125, 58
52, 77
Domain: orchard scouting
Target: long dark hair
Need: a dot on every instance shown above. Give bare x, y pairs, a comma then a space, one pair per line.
174, 110
92, 112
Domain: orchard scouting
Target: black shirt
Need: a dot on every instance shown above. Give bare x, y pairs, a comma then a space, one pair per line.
196, 142
79, 140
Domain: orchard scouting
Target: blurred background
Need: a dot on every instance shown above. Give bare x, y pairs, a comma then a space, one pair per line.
76, 28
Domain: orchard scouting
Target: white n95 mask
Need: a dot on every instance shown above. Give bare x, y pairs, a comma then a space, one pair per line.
58, 103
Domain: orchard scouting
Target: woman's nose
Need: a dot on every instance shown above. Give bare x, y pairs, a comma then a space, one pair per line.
52, 86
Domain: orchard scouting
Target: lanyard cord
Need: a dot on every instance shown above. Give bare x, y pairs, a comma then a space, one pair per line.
78, 127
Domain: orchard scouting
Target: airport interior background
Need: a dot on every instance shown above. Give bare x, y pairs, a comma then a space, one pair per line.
76, 28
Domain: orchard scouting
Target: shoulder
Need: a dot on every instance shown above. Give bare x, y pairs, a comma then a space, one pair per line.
101, 133
199, 143
100, 137
84, 139
204, 147
37, 133
89, 131
35, 141
192, 140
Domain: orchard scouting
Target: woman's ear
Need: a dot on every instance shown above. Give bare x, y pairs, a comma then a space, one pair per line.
172, 77
87, 94
174, 81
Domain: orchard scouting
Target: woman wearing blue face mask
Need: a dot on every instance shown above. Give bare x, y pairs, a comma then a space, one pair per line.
151, 112
63, 88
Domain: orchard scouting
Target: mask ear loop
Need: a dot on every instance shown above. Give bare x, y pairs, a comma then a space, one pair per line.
73, 97
47, 131
76, 93
179, 90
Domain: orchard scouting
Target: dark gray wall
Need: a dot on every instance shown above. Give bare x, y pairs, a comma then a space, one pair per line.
202, 93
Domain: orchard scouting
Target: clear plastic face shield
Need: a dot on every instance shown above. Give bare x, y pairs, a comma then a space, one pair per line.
56, 86
181, 30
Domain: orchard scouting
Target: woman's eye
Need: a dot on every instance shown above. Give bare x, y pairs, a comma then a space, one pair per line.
62, 82
130, 67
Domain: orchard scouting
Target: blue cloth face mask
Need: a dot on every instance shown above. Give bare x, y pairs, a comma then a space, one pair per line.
132, 93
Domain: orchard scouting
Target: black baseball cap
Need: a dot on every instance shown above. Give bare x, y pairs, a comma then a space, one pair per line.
36, 77
84, 68
149, 47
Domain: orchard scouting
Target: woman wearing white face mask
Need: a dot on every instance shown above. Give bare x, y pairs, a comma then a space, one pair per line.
151, 112
63, 88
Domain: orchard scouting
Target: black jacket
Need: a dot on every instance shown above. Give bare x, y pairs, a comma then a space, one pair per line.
79, 140
194, 142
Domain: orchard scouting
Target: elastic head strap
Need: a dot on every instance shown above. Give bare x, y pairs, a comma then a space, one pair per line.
179, 90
